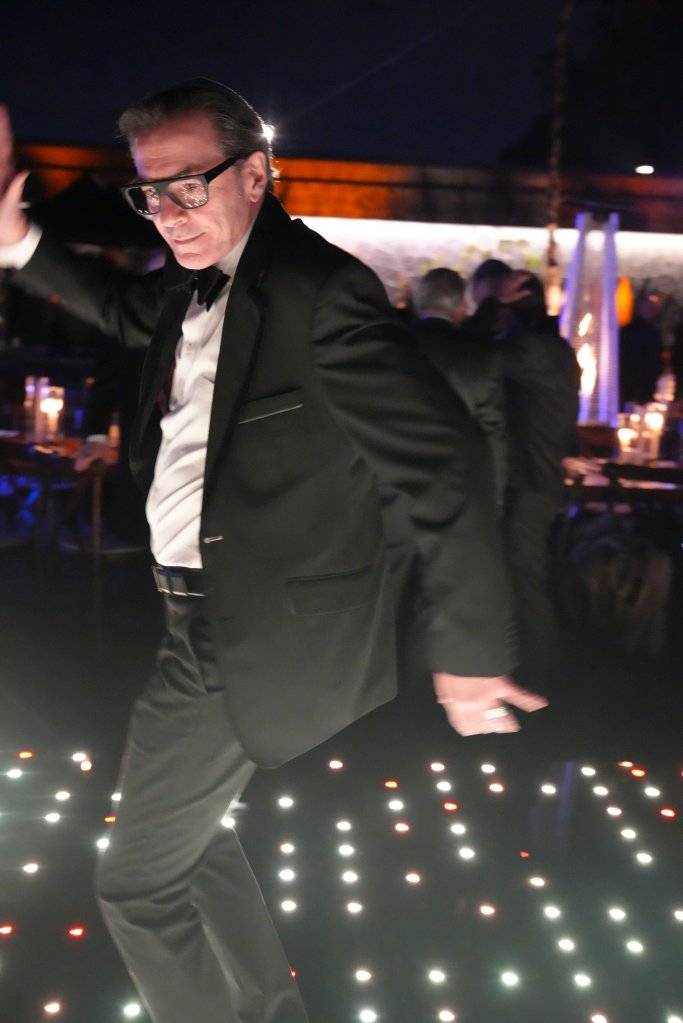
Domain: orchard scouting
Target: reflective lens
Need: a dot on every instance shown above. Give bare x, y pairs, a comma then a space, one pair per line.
187, 191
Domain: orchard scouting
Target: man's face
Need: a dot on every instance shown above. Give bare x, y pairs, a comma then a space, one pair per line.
188, 144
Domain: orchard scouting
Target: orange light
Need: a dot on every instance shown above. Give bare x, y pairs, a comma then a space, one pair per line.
25, 755
391, 784
293, 972
76, 932
450, 807
524, 854
638, 772
109, 820
6, 929
667, 812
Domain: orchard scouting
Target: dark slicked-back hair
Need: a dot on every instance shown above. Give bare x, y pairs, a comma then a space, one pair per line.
440, 292
239, 128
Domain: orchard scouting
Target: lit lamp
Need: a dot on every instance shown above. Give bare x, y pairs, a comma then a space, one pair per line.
51, 407
628, 436
653, 427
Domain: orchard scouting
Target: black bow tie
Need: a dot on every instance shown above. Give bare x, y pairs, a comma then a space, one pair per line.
209, 284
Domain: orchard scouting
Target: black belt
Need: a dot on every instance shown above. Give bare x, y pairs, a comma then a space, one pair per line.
179, 582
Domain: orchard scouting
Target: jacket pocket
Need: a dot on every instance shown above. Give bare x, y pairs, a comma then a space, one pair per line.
264, 408
325, 594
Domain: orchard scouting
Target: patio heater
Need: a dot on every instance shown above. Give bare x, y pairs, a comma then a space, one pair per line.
589, 317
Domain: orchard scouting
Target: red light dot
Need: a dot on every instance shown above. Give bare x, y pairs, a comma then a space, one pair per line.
76, 932
293, 972
6, 929
401, 826
391, 784
524, 854
638, 772
666, 811
450, 807
25, 754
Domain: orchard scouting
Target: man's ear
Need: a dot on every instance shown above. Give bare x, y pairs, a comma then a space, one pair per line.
254, 176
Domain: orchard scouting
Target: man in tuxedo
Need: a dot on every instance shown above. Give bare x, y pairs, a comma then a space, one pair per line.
273, 401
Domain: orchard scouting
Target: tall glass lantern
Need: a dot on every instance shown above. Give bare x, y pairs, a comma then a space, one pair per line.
589, 317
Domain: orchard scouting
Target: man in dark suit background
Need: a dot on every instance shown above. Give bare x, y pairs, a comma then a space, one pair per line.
272, 404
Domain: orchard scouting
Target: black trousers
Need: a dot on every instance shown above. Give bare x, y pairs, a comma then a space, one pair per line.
174, 887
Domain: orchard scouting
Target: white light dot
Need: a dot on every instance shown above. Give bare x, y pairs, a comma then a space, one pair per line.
446, 1016
346, 850
466, 853
629, 834
228, 821
582, 980
674, 1019
614, 811
395, 804
678, 915
15, 772
600, 790
588, 772
552, 912
86, 765
437, 976
344, 825
652, 792
363, 976
496, 787
566, 945
78, 758
285, 802
354, 907
437, 767
644, 168
52, 1008
537, 882
444, 786
635, 946
644, 857
132, 1010
102, 843
548, 790
336, 765
287, 848
30, 868
401, 827
509, 978
116, 798
598, 1017
287, 875
413, 878
488, 768
458, 829
616, 913
62, 795
52, 818
487, 910
367, 1016
349, 877
289, 905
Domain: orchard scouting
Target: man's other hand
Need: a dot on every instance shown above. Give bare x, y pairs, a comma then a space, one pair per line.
13, 221
478, 705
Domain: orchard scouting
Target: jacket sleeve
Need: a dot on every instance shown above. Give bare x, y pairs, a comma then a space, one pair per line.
418, 437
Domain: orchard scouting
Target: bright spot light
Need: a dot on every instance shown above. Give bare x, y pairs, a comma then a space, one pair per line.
616, 913
116, 797
413, 878
667, 811
635, 946
62, 795
367, 1016
25, 755
552, 912
401, 826
289, 905
652, 792
548, 790
6, 930
638, 772
600, 790
285, 802
287, 848
336, 765
446, 1016
363, 976
76, 932
450, 807
629, 834
52, 818
132, 1010
78, 758
444, 786
228, 821
674, 1019
268, 132
488, 768
537, 882
287, 875
566, 945
391, 783
487, 910
343, 825
349, 877
30, 868
458, 829
15, 772
678, 915
437, 976
52, 1008
102, 843
509, 978
598, 1017
614, 811
644, 168
582, 980
644, 857
588, 772
395, 804
437, 766
354, 907
466, 853
346, 850
496, 787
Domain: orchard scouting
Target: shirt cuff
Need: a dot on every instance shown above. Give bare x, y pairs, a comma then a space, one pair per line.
17, 256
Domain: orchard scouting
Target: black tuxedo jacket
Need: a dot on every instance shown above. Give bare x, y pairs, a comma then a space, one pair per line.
319, 394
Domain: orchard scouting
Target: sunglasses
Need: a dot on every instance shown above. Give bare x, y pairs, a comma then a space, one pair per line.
189, 191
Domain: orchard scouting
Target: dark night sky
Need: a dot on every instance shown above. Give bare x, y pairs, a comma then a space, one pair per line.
452, 82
